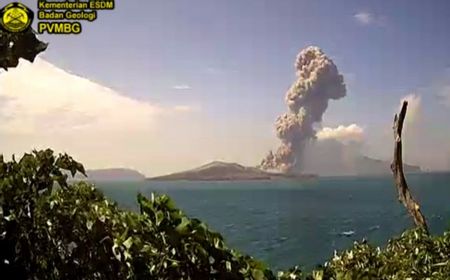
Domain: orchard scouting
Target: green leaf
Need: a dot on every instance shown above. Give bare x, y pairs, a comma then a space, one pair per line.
127, 243
89, 225
159, 217
183, 226
258, 274
228, 265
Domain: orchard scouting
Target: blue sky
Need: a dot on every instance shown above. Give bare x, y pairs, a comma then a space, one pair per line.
236, 57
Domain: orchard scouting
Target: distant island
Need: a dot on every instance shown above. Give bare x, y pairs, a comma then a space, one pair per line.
228, 171
369, 166
111, 174
225, 171
328, 162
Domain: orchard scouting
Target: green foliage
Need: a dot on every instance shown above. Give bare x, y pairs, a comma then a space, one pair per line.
22, 184
414, 255
74, 232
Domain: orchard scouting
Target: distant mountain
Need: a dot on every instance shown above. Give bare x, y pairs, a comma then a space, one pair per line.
333, 158
112, 174
224, 171
369, 166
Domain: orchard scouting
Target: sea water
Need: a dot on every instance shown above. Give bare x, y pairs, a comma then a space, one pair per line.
286, 223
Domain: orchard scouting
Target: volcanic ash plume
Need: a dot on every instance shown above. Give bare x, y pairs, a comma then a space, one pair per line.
318, 81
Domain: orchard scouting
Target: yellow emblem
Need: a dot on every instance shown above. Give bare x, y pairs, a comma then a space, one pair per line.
16, 17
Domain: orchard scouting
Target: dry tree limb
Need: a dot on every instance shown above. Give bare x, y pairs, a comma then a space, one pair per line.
404, 196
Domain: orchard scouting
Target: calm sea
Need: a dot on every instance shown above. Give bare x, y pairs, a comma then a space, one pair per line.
286, 223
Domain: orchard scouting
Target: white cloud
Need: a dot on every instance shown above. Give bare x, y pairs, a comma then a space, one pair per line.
182, 87
342, 133
367, 18
425, 141
364, 18
41, 96
44, 106
186, 108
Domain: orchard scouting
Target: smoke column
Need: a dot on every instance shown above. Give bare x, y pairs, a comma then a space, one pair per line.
318, 81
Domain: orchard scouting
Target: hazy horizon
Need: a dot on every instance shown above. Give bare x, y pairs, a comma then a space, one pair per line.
178, 85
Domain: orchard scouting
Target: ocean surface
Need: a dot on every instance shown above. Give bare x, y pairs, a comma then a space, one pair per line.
286, 223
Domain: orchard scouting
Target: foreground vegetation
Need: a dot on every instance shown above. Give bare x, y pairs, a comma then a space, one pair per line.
52, 230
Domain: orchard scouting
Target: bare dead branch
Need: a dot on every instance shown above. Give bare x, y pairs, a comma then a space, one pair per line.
404, 196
